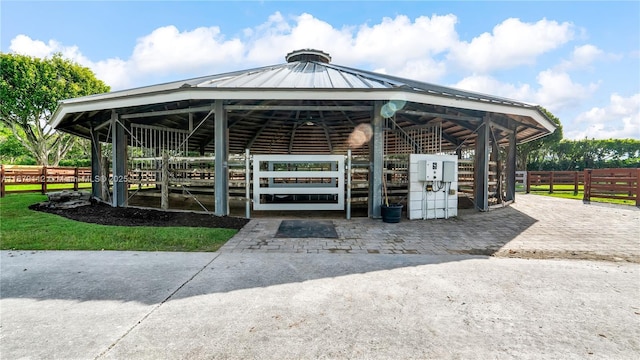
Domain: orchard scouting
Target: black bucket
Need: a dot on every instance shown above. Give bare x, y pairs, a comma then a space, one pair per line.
391, 213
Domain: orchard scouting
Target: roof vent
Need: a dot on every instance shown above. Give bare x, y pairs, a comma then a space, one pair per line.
308, 55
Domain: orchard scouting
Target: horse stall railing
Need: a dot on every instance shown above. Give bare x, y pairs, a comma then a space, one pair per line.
466, 184
298, 182
555, 181
65, 178
620, 184
521, 181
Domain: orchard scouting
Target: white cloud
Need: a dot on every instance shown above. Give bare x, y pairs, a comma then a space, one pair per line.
272, 40
23, 44
558, 91
619, 119
394, 41
512, 43
167, 49
488, 85
114, 72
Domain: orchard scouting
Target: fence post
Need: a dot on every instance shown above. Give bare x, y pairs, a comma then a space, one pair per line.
586, 198
575, 183
43, 179
638, 187
1, 180
551, 182
528, 186
75, 179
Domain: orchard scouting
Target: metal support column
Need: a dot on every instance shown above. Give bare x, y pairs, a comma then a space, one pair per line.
118, 162
247, 183
376, 162
349, 184
96, 168
481, 168
511, 167
221, 160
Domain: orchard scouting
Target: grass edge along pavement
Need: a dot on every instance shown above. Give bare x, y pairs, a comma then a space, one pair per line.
24, 229
566, 192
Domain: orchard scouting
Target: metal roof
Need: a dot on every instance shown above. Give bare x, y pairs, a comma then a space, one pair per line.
307, 85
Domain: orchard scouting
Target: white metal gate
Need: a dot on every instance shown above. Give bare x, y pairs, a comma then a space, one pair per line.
298, 182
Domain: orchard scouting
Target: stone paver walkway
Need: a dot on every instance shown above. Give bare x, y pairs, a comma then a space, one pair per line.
533, 227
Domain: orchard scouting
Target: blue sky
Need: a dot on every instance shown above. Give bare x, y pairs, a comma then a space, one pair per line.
579, 59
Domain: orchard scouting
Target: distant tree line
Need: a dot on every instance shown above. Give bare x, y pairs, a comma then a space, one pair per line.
586, 154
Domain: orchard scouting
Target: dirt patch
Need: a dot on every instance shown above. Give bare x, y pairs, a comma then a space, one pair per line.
103, 214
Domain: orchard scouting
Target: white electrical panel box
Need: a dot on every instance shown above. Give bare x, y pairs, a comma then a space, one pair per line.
434, 170
433, 186
449, 171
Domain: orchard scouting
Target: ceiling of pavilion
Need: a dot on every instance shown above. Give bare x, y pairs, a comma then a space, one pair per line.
306, 105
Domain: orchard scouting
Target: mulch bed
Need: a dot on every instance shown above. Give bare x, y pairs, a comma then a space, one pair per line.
100, 213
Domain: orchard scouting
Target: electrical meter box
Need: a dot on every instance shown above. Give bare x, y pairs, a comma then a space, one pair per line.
449, 171
429, 170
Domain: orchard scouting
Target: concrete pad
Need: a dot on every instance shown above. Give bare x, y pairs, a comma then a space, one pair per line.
297, 306
75, 305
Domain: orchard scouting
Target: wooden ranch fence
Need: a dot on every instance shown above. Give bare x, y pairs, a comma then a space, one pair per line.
621, 184
43, 176
552, 178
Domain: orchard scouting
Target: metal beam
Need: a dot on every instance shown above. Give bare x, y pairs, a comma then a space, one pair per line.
257, 134
301, 107
166, 112
439, 115
376, 162
500, 124
221, 163
454, 140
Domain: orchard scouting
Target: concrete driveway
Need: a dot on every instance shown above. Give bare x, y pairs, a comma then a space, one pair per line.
287, 305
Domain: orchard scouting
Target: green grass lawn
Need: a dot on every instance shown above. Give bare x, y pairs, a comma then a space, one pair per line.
37, 187
24, 229
566, 192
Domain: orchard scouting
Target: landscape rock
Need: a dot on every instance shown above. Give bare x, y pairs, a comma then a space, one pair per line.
67, 199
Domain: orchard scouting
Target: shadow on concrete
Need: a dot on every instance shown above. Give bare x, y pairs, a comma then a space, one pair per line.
152, 278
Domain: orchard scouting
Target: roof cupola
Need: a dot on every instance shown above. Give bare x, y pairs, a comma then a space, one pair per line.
308, 55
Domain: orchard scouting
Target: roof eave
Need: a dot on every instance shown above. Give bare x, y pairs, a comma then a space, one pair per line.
188, 93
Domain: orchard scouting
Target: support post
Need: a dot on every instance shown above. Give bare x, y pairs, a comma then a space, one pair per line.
221, 161
164, 190
348, 184
247, 183
96, 168
511, 167
104, 179
376, 162
481, 168
118, 162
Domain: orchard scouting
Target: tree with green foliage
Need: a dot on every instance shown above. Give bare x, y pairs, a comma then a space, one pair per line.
30, 89
590, 153
535, 151
11, 150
